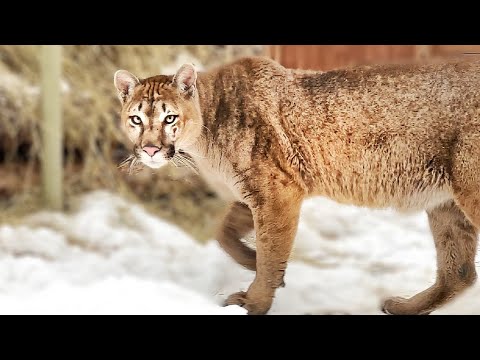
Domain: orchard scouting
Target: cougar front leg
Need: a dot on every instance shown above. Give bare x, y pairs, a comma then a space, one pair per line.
276, 219
237, 223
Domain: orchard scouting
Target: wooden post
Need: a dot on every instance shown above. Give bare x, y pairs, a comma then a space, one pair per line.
423, 52
228, 53
52, 129
277, 53
273, 52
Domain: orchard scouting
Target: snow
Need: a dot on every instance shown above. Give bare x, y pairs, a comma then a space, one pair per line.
110, 256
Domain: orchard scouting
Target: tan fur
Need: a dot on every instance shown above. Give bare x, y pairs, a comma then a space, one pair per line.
401, 136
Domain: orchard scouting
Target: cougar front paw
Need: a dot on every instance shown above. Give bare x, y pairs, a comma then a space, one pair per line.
254, 307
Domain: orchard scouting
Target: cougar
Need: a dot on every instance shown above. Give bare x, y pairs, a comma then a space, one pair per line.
267, 137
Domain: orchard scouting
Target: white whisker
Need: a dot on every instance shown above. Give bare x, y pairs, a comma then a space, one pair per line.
186, 162
196, 155
132, 165
126, 161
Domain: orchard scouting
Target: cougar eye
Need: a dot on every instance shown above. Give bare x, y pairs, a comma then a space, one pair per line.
170, 119
135, 120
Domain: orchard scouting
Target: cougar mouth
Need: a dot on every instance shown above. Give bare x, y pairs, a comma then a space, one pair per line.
158, 160
177, 156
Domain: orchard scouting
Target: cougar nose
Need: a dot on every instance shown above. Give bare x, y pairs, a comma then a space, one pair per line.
151, 150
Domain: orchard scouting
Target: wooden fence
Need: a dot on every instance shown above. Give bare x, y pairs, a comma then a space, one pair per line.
327, 57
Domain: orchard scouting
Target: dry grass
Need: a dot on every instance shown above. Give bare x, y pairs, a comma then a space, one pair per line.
93, 144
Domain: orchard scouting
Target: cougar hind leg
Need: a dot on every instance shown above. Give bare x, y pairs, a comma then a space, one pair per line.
456, 243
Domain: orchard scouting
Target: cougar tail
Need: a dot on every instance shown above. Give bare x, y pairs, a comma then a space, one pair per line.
237, 223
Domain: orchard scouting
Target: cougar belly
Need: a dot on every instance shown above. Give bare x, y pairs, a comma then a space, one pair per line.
404, 192
427, 199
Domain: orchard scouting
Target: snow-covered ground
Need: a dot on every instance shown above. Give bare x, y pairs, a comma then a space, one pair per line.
112, 257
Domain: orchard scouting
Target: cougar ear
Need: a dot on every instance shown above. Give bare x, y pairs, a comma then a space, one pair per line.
186, 78
125, 82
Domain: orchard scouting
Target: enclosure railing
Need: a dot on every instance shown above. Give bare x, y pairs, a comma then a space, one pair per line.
52, 128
